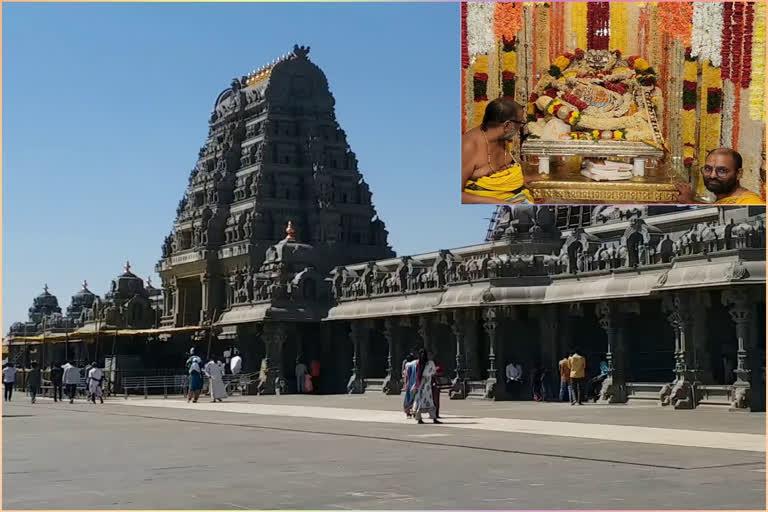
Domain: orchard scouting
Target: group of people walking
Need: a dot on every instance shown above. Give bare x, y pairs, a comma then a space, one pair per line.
422, 390
62, 377
214, 370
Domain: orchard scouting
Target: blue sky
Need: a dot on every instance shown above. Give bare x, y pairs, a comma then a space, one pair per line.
106, 105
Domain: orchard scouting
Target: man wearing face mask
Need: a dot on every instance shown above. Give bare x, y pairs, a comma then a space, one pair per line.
722, 172
490, 172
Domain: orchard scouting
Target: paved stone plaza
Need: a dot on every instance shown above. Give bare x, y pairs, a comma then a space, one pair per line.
353, 452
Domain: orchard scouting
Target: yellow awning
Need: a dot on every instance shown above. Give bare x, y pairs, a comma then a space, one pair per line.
82, 335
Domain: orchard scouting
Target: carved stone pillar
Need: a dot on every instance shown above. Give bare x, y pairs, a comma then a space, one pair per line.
549, 327
358, 331
393, 382
459, 387
274, 335
739, 306
177, 316
682, 394
700, 304
471, 364
205, 287
490, 323
614, 388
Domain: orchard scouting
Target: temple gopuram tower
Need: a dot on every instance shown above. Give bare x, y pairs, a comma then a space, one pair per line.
275, 154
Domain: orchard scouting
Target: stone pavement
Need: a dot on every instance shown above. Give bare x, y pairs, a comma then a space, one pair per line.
353, 452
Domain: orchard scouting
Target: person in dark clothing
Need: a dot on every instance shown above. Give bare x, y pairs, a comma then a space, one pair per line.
35, 379
57, 375
436, 384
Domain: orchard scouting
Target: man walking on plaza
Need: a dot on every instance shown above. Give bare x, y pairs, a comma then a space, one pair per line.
71, 380
565, 379
578, 365
34, 381
216, 386
57, 375
95, 380
9, 379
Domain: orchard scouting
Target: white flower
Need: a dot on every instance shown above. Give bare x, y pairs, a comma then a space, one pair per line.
707, 35
480, 37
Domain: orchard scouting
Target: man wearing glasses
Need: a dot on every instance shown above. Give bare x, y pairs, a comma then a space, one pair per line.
722, 172
490, 172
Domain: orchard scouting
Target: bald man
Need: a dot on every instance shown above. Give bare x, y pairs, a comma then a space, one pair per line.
722, 174
490, 172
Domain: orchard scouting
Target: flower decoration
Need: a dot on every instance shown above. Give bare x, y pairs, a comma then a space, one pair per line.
464, 48
707, 32
480, 37
507, 20
676, 19
757, 88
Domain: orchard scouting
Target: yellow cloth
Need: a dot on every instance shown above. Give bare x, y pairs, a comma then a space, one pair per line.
577, 363
507, 186
565, 370
744, 198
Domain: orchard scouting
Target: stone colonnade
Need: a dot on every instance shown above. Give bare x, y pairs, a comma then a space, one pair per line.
685, 311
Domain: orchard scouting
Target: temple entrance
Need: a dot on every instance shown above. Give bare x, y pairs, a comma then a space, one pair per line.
190, 301
650, 345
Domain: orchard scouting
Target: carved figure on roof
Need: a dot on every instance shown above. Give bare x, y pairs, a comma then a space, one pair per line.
248, 226
249, 287
402, 274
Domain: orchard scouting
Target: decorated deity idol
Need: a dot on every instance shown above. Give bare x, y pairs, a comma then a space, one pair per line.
596, 95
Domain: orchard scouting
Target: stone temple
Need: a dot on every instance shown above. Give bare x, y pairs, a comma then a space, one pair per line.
277, 251
275, 154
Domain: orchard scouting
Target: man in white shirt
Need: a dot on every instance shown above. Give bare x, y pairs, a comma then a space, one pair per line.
71, 380
95, 379
514, 378
9, 379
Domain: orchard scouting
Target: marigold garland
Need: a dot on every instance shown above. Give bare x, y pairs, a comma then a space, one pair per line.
541, 37
579, 22
464, 48
710, 117
688, 120
726, 38
507, 20
508, 68
757, 89
618, 36
676, 19
463, 100
598, 19
746, 66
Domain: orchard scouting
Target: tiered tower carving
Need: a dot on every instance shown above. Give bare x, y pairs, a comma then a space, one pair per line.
275, 153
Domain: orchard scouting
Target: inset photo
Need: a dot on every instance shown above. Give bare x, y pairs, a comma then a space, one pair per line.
613, 102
